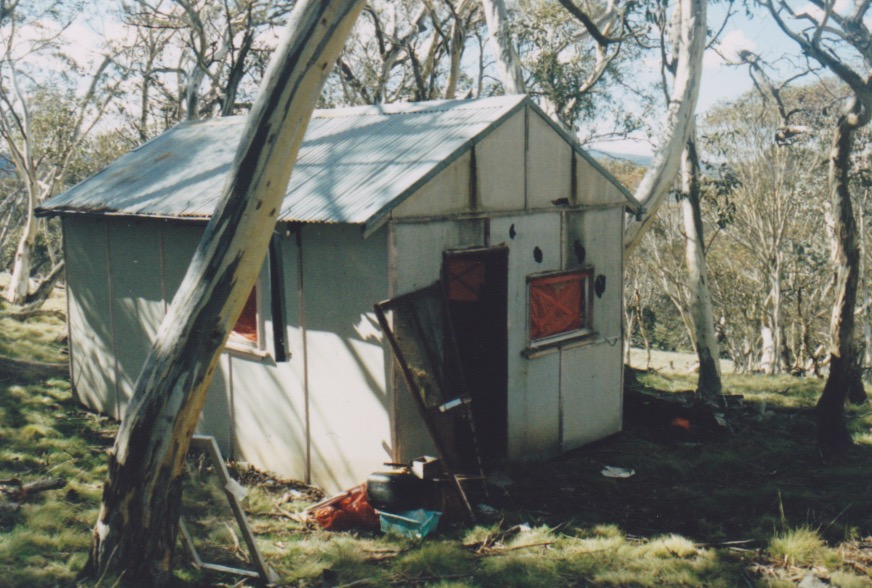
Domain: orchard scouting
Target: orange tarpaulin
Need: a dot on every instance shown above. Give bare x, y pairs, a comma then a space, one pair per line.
556, 305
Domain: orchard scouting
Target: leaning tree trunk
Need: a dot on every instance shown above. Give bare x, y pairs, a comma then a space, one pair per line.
19, 284
136, 529
658, 180
699, 299
833, 433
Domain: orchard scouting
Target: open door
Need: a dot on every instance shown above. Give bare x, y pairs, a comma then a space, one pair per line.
424, 346
476, 287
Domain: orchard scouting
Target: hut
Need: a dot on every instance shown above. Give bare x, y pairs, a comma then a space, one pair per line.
487, 197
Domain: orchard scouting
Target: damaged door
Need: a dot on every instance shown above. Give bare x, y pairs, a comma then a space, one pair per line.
476, 286
423, 342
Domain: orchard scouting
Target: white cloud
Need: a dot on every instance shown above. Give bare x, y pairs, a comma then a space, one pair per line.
728, 48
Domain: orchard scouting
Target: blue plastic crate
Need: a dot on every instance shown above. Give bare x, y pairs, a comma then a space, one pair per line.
415, 524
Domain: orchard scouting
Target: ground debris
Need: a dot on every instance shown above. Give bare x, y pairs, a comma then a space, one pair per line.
291, 490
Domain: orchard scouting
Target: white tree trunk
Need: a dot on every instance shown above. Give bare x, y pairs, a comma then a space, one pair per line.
136, 528
505, 54
19, 284
655, 186
699, 296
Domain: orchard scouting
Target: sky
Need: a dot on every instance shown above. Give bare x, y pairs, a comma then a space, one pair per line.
721, 81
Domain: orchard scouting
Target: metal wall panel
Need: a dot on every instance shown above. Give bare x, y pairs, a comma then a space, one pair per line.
602, 233
592, 395
269, 399
500, 160
549, 161
593, 188
92, 350
533, 383
137, 297
343, 276
419, 249
446, 193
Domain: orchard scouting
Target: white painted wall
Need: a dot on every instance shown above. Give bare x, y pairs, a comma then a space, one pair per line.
341, 389
92, 357
349, 404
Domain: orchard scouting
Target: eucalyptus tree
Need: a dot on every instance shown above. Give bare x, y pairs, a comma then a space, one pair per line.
771, 213
189, 59
405, 50
837, 37
40, 79
135, 533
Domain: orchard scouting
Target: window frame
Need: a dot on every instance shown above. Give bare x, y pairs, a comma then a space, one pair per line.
271, 343
585, 332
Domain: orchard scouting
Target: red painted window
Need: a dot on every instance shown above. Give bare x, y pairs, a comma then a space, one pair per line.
246, 325
558, 304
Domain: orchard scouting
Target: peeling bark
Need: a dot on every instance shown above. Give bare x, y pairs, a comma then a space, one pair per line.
135, 532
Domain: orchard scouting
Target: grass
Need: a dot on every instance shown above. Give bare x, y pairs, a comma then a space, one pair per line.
754, 508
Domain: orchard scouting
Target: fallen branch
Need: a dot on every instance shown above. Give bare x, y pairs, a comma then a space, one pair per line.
21, 367
25, 314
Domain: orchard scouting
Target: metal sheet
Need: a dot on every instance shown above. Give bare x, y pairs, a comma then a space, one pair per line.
91, 343
601, 230
549, 160
533, 383
591, 394
419, 264
501, 159
592, 188
354, 165
347, 357
269, 400
137, 298
446, 193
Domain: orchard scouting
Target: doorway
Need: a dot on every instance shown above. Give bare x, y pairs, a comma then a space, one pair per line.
476, 288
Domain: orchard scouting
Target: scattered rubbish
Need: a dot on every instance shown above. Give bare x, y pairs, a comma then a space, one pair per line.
349, 510
426, 467
415, 524
681, 423
616, 472
396, 490
486, 509
204, 449
812, 581
500, 480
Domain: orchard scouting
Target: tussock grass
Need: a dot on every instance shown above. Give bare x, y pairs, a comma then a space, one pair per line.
800, 547
666, 526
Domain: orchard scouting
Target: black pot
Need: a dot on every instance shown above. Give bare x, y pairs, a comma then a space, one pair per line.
396, 491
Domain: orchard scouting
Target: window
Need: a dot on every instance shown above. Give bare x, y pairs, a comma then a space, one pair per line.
260, 330
560, 305
245, 330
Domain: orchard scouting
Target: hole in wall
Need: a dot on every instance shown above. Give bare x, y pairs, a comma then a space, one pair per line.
580, 253
512, 231
599, 285
537, 255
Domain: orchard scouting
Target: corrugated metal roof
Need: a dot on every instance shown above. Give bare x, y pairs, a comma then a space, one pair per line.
354, 165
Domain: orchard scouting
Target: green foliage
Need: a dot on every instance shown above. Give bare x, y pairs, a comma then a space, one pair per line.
564, 525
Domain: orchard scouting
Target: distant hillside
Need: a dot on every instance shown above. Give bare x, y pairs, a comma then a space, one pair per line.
634, 158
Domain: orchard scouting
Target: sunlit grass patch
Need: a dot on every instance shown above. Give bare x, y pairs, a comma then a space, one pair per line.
519, 570
432, 561
800, 547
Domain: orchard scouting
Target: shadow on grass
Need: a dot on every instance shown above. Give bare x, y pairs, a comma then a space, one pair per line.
767, 476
